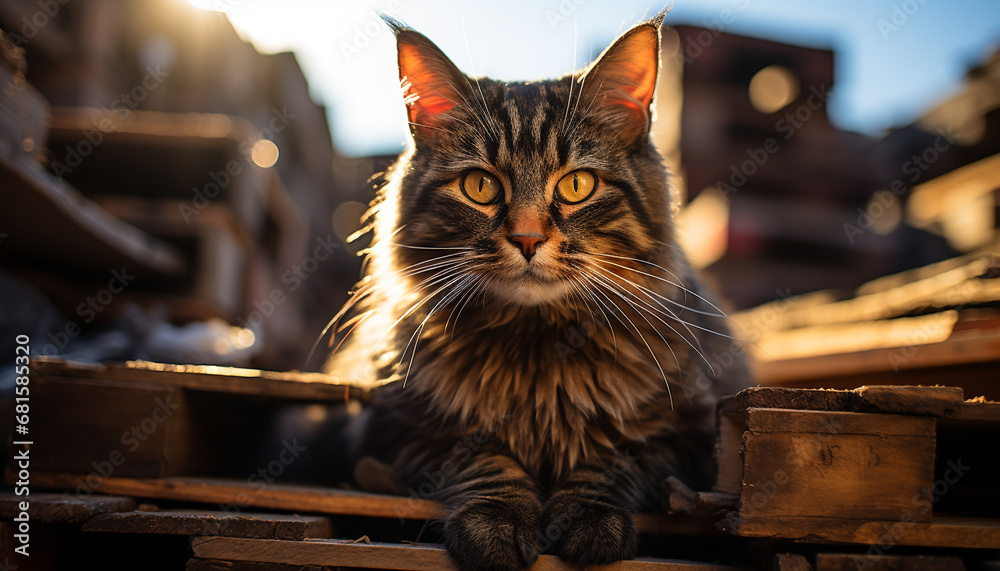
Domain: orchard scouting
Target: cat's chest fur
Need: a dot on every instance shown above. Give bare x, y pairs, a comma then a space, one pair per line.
553, 390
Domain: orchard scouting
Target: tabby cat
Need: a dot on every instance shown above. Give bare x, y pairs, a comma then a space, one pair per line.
539, 339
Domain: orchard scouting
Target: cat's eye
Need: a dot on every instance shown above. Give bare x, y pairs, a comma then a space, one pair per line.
480, 186
575, 187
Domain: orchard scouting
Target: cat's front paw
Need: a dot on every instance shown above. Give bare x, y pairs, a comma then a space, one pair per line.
590, 532
493, 534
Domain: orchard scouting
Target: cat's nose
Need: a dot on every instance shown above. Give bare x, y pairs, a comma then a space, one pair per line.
527, 242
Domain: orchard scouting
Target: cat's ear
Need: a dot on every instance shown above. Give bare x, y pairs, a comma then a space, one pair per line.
622, 81
432, 85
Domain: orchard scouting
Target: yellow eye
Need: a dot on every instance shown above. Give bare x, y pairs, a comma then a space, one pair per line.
480, 186
575, 187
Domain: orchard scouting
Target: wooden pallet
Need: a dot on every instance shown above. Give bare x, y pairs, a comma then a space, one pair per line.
875, 465
258, 540
154, 420
939, 324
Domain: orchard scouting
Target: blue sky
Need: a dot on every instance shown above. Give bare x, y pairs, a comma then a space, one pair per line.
894, 58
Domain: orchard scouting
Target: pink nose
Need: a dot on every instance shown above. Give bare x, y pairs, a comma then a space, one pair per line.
527, 242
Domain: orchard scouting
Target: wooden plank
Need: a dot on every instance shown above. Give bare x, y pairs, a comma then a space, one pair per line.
840, 338
934, 401
932, 289
895, 399
274, 496
89, 241
727, 452
392, 556
835, 464
974, 348
791, 562
132, 429
218, 523
814, 422
977, 410
62, 508
164, 156
950, 532
781, 397
220, 565
315, 499
221, 250
857, 561
232, 380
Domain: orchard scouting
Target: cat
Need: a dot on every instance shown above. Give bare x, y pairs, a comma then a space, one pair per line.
538, 337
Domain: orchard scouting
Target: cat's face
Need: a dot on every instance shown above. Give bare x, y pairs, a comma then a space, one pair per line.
534, 188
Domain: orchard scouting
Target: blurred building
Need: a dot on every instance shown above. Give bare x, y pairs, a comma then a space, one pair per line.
200, 166
950, 159
781, 200
146, 136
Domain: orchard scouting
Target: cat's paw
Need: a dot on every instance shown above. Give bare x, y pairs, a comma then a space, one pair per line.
590, 532
490, 534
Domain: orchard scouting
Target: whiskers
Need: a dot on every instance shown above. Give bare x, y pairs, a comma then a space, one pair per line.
441, 281
624, 292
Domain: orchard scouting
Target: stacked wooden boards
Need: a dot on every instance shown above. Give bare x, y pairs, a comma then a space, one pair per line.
148, 450
876, 466
938, 324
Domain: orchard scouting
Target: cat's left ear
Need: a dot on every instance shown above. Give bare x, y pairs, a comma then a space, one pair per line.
622, 81
432, 85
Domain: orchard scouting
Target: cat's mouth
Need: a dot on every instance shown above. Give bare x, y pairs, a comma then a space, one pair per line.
531, 291
530, 285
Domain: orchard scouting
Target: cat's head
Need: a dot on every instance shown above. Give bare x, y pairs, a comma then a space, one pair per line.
528, 189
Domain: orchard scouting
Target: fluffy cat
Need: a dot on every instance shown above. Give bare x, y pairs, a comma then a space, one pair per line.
537, 333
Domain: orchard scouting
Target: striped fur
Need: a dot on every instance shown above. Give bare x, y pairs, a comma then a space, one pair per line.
542, 400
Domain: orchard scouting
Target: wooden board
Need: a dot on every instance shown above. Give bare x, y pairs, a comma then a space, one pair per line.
835, 464
132, 429
950, 532
981, 348
62, 508
220, 565
890, 296
291, 385
392, 556
51, 225
791, 562
212, 523
241, 495
192, 157
219, 246
314, 499
914, 400
856, 562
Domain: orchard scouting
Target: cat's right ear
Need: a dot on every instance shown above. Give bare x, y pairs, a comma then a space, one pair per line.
433, 87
